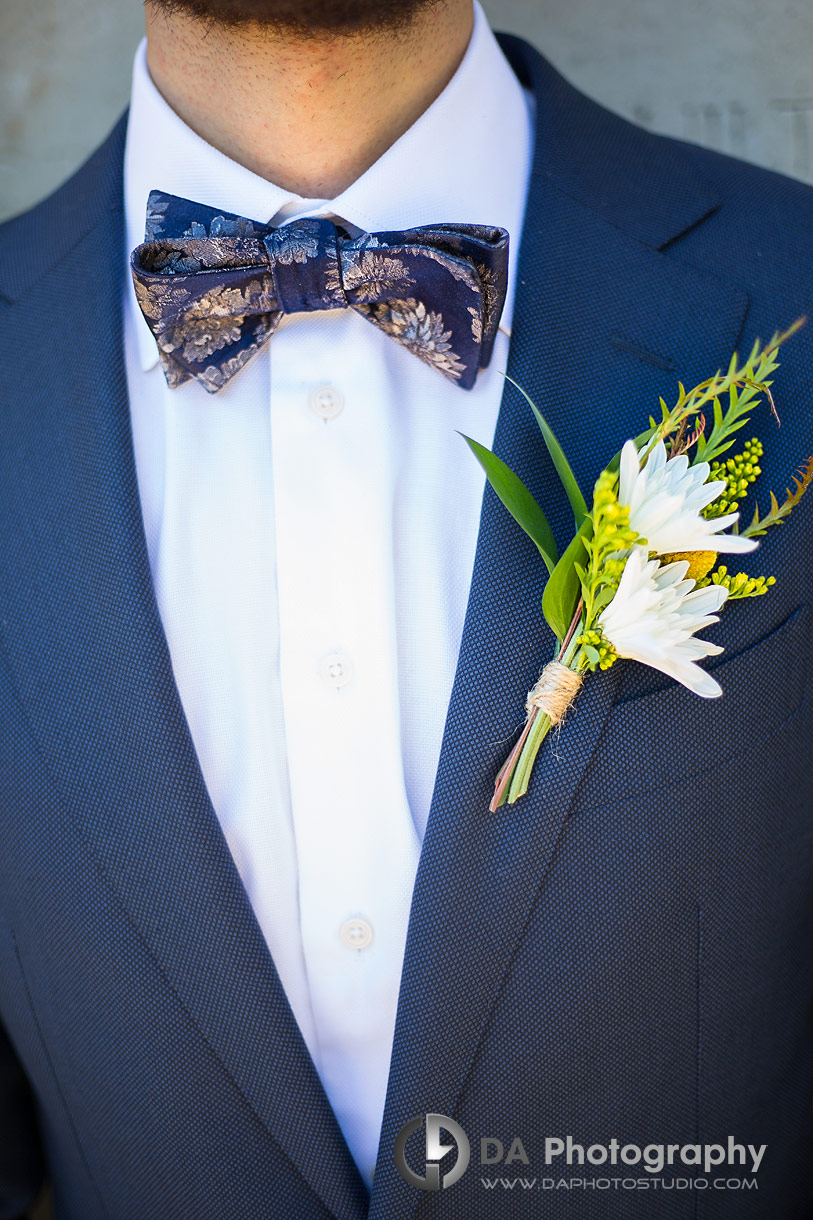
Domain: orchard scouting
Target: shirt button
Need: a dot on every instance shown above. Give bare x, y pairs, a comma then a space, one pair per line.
336, 670
356, 933
327, 402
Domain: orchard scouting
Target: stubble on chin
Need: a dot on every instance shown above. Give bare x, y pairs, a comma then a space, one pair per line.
303, 18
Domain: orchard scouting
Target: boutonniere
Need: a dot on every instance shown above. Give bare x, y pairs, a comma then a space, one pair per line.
641, 576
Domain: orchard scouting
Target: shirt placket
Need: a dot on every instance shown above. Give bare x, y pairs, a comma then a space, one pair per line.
335, 489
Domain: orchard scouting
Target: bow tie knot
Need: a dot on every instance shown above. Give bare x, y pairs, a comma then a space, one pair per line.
306, 266
214, 287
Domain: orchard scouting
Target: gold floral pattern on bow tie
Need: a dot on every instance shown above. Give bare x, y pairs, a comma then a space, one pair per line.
459, 270
374, 275
421, 331
213, 287
493, 297
221, 226
292, 244
211, 324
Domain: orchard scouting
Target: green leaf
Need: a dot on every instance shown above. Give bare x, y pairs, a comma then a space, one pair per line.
563, 589
518, 500
603, 598
560, 462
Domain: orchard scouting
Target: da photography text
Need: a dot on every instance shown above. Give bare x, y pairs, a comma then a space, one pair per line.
425, 1145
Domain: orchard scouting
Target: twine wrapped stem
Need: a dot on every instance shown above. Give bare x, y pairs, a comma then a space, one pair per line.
546, 705
554, 692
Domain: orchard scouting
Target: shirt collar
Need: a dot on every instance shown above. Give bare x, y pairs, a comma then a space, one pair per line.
466, 159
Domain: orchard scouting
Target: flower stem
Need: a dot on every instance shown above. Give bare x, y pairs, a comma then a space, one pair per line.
574, 623
539, 729
507, 769
515, 774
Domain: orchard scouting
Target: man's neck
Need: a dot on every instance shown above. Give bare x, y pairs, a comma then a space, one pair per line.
309, 114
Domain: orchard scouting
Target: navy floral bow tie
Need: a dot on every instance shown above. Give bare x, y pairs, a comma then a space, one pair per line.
213, 287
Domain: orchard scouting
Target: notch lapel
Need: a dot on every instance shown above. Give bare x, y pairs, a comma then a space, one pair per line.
602, 325
80, 626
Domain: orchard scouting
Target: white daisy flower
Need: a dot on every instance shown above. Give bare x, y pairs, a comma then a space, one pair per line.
666, 498
653, 618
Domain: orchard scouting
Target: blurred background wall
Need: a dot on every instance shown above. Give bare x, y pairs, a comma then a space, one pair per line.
734, 74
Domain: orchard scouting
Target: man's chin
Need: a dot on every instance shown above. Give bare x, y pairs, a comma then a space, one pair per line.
303, 17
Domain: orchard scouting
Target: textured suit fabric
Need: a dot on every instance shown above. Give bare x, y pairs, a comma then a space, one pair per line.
625, 953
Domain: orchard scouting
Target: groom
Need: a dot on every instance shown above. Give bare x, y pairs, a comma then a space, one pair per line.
263, 641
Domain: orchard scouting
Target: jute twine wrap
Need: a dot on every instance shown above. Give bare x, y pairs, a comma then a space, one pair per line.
553, 694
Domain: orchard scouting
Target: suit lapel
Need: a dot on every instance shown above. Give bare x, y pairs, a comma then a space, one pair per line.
602, 325
84, 640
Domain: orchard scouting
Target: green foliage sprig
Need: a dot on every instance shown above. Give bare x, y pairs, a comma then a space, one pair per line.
778, 512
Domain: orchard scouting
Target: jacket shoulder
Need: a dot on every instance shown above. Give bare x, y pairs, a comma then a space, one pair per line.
757, 238
757, 201
34, 241
657, 189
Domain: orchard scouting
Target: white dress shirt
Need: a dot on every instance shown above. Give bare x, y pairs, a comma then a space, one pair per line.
311, 532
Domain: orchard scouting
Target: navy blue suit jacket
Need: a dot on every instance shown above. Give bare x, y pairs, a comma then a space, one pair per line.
623, 954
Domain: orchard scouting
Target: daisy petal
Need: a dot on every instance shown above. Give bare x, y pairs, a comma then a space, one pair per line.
666, 498
655, 615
